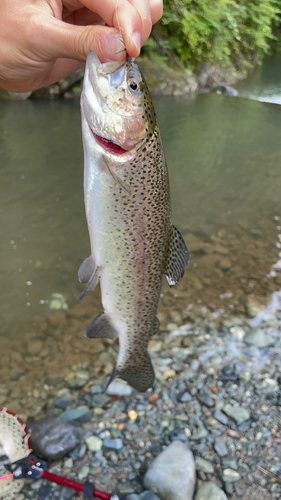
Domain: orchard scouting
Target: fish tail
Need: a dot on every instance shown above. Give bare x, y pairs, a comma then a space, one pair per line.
139, 375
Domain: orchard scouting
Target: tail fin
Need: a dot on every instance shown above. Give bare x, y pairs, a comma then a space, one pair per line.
139, 375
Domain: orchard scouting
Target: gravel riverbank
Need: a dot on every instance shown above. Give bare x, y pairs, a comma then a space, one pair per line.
217, 390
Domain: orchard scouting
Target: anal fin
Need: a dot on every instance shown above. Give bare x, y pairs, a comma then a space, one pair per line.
178, 258
101, 328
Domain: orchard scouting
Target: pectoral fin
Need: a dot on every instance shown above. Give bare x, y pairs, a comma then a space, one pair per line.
92, 283
123, 185
87, 269
101, 328
178, 258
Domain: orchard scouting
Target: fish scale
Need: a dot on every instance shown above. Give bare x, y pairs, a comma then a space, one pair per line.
127, 199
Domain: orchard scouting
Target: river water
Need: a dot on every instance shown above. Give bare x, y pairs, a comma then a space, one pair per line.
224, 157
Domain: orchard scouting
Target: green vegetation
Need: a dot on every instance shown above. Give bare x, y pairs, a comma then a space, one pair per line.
227, 32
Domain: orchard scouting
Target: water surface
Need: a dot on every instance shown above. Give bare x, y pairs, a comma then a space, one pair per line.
224, 157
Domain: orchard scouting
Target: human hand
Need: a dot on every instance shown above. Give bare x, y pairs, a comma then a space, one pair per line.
42, 41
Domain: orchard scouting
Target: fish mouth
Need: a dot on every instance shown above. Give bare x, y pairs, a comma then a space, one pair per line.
109, 146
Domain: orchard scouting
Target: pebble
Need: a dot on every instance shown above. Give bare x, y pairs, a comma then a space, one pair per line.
93, 443
220, 416
132, 414
83, 472
172, 474
230, 475
113, 444
210, 491
205, 398
204, 465
77, 379
184, 397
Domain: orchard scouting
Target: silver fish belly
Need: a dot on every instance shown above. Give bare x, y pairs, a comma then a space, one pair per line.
127, 200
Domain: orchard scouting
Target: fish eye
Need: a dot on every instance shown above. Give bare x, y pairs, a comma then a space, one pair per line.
134, 84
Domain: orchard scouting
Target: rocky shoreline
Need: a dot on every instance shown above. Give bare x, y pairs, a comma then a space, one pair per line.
217, 394
161, 81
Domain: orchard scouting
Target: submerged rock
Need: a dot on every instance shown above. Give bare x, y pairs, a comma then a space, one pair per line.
52, 438
172, 474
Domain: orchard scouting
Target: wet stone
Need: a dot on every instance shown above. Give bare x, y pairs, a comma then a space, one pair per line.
96, 389
236, 412
230, 462
178, 435
66, 493
77, 416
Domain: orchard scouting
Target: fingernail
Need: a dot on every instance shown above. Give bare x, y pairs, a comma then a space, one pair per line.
114, 45
136, 39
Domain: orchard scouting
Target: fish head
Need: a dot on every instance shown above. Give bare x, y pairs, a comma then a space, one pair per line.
117, 109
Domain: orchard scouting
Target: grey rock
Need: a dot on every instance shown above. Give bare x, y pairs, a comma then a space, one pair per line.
204, 465
258, 338
52, 438
118, 388
132, 496
148, 495
172, 474
77, 416
230, 475
230, 462
113, 444
236, 412
220, 447
210, 491
200, 432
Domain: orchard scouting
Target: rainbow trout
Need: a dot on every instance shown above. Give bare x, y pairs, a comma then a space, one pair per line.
127, 200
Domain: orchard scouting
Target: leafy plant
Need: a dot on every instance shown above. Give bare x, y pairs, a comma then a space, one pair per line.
224, 31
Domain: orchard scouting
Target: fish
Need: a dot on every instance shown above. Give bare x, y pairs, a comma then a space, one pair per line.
128, 210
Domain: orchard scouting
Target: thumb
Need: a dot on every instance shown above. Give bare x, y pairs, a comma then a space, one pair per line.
63, 40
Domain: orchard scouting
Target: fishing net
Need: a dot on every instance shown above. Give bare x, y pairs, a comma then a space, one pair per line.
14, 445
